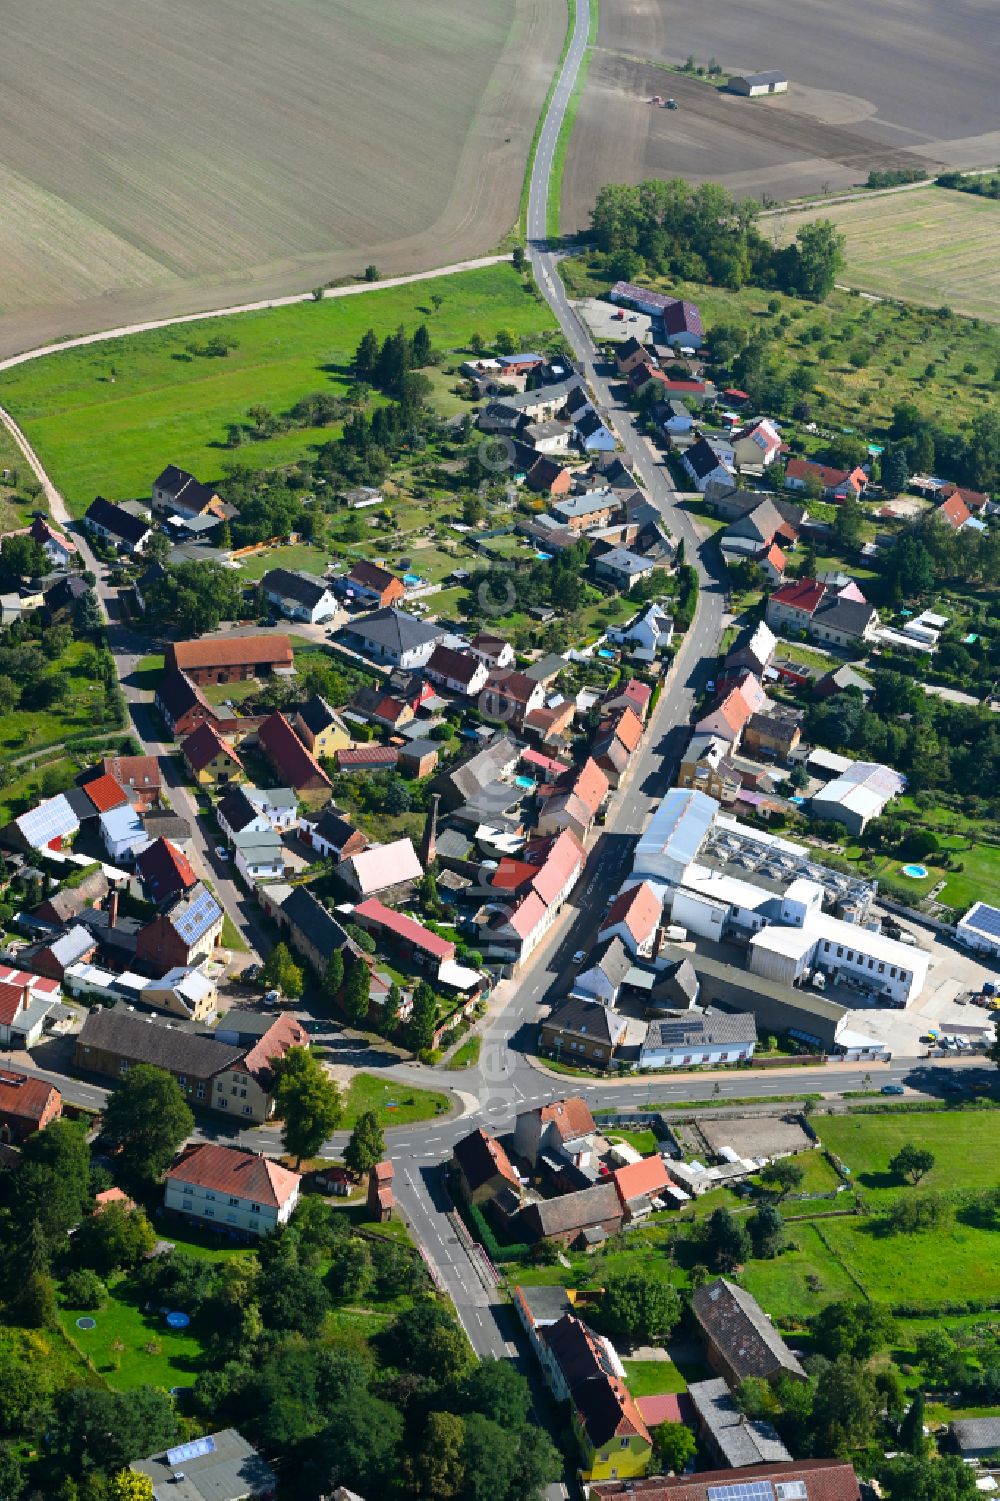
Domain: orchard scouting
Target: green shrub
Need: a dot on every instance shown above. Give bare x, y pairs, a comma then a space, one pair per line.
83, 1289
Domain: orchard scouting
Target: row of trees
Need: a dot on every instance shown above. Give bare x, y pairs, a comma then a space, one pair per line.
703, 233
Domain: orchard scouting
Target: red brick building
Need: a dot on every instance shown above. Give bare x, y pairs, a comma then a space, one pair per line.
229, 659
27, 1105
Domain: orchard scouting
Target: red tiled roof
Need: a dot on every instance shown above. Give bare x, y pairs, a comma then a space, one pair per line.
775, 557
285, 1032
824, 1480
511, 873
681, 387
227, 1170
371, 576
528, 914
639, 908
641, 692
637, 1179
954, 511
801, 594
141, 773
12, 998
289, 757
626, 727
590, 785
406, 928
230, 651
369, 755
36, 984
571, 1116
105, 793
112, 1196
564, 852
666, 1407
515, 686
203, 745
24, 1095
974, 499
831, 479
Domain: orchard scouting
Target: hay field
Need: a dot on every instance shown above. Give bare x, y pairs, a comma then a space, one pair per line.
104, 419
929, 245
166, 155
873, 83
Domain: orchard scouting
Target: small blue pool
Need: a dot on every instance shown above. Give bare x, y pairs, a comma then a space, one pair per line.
411, 579
970, 639
608, 656
915, 872
544, 556
798, 801
524, 782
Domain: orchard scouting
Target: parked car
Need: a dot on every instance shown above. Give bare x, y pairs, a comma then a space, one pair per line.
892, 1089
221, 853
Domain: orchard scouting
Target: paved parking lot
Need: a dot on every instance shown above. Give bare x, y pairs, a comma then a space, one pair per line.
600, 318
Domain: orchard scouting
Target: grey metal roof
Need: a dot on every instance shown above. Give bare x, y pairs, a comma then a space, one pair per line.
230, 1470
300, 587
588, 1019
394, 630
772, 75
706, 1029
741, 1441
979, 1435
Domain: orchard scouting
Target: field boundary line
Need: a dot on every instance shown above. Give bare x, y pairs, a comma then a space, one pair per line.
553, 200
356, 289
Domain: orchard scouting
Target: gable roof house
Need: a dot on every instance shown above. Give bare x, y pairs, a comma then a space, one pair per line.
772, 563
187, 931
602, 979
165, 873
114, 524
537, 882
50, 825
458, 671
707, 1037
320, 728
491, 649
583, 1029
229, 659
623, 568
545, 1128
177, 493
123, 832
648, 636
182, 704
756, 445
634, 918
739, 1338
509, 696
730, 1437
582, 513
367, 581
638, 1184
752, 650
793, 606
298, 596
837, 484
727, 717
568, 1218
259, 855
331, 833
141, 777
312, 931
631, 353
545, 475
582, 1369
483, 1167
295, 766
844, 621
758, 528
386, 870
211, 760
707, 461
27, 1105
57, 547
575, 800
592, 432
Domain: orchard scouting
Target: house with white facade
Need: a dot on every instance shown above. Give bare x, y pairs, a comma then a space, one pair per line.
242, 1192
648, 636
699, 1037
259, 855
297, 596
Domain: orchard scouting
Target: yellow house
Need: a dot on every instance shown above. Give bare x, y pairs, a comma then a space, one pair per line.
211, 760
581, 1367
321, 728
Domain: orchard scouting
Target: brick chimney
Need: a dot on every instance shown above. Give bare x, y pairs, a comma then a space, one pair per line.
112, 907
428, 846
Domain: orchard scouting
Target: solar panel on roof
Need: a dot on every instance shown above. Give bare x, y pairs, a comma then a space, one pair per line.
199, 917
984, 919
196, 1449
743, 1490
48, 821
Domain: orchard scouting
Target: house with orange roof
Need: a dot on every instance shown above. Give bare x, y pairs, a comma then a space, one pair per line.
793, 606
293, 764
105, 793
834, 484
211, 760
540, 880
953, 512
772, 563
27, 1105
238, 1192
546, 1128
727, 717
635, 918
639, 1183
575, 800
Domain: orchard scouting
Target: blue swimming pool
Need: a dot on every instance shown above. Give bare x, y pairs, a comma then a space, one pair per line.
915, 872
524, 782
411, 579
608, 656
544, 556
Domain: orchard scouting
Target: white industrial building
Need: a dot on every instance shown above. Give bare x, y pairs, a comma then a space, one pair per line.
769, 894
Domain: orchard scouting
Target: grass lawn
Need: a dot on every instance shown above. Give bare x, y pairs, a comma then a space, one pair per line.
131, 1348
932, 245
643, 1141
653, 1378
800, 1281
146, 674
221, 693
467, 1056
301, 558
918, 1269
232, 938
963, 1143
98, 436
395, 1104
56, 1358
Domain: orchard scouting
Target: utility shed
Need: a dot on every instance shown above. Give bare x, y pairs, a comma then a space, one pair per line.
756, 85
